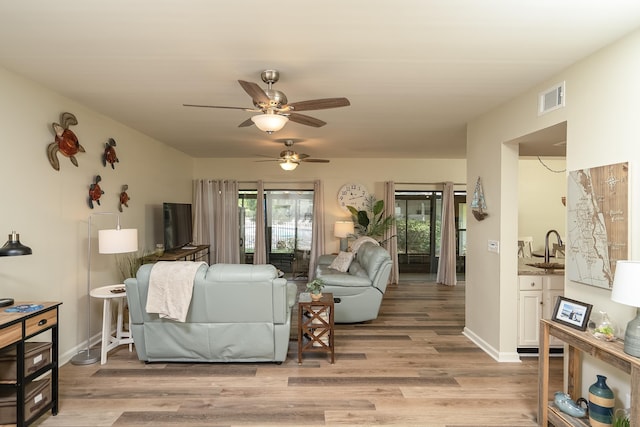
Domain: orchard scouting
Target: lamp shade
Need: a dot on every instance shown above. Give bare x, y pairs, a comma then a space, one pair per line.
343, 229
288, 165
626, 283
270, 122
118, 241
13, 247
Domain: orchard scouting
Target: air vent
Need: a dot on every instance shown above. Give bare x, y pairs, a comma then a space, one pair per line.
551, 99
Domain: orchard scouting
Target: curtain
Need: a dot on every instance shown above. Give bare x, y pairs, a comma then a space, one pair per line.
260, 251
390, 235
317, 228
216, 219
447, 264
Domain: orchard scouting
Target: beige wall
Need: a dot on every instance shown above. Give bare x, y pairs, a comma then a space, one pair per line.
49, 208
370, 172
602, 127
540, 191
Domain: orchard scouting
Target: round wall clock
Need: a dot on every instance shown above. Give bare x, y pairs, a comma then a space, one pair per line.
353, 195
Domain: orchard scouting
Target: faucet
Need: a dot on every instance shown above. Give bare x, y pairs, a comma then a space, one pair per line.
546, 244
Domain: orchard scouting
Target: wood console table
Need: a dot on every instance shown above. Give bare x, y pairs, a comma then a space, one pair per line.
181, 254
579, 341
15, 329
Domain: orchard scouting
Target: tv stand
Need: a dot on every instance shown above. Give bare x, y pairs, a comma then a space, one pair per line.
181, 254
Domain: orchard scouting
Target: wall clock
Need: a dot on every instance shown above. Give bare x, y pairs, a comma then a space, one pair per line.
353, 195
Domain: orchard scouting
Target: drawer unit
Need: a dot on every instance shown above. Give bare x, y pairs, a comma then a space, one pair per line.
23, 358
10, 334
41, 322
36, 355
530, 283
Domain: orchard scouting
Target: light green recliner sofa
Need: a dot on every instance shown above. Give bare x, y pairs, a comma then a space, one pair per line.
238, 313
357, 292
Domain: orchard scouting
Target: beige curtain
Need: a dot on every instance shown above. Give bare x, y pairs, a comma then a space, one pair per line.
260, 252
390, 235
447, 263
216, 219
317, 230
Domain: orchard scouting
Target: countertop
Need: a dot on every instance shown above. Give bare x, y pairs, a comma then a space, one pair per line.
524, 269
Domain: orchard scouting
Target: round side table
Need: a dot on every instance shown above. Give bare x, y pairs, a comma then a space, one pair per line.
121, 337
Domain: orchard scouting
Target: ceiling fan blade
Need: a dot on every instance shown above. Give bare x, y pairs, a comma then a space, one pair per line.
219, 106
310, 160
306, 120
246, 123
255, 92
302, 156
271, 160
320, 104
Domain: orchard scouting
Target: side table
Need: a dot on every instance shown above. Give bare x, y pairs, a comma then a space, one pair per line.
315, 325
109, 341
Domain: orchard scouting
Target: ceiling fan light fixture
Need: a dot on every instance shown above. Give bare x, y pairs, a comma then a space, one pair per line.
288, 165
269, 123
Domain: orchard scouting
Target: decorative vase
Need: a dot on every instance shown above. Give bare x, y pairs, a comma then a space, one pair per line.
316, 297
601, 403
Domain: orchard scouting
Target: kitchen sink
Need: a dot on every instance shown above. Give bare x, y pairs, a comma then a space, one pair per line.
547, 265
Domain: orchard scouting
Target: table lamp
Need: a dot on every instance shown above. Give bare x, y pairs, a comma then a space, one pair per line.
343, 229
13, 247
114, 241
626, 290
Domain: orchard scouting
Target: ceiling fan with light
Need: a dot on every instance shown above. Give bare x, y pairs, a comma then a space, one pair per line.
289, 159
274, 106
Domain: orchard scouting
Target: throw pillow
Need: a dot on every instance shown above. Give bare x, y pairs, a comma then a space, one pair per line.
342, 261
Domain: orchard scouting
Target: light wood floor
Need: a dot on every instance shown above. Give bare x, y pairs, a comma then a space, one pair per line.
410, 367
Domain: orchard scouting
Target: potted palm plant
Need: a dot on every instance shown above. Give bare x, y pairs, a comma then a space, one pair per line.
372, 220
315, 288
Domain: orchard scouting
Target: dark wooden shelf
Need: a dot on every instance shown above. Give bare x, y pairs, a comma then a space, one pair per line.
181, 254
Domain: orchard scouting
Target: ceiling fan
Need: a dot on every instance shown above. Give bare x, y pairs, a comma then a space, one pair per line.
274, 106
289, 159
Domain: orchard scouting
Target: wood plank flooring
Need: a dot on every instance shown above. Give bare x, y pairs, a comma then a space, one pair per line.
410, 367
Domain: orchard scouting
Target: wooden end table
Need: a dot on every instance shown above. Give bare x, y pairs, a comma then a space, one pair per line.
315, 325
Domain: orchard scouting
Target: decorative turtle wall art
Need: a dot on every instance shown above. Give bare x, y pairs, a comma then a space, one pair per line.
95, 192
66, 142
124, 198
109, 155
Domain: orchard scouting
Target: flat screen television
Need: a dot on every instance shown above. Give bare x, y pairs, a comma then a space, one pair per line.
178, 225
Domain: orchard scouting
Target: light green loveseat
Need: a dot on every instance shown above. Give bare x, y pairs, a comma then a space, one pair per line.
238, 313
357, 292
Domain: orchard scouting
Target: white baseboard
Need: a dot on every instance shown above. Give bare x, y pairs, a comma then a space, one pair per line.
503, 357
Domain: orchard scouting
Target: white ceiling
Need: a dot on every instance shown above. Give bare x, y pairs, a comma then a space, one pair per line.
415, 71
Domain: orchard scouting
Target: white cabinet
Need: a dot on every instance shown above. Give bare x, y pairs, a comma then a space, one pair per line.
537, 296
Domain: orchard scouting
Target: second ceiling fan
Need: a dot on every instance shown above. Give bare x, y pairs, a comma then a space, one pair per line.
289, 159
274, 106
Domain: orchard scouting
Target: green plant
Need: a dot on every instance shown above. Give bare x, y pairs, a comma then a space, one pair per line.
128, 264
315, 286
622, 422
372, 221
621, 418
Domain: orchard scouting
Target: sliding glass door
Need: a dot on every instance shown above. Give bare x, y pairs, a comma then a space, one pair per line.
418, 221
288, 222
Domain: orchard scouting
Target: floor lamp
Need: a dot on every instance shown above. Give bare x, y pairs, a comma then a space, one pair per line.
112, 241
13, 247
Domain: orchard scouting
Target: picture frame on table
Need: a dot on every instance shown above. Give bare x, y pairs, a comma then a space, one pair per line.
572, 313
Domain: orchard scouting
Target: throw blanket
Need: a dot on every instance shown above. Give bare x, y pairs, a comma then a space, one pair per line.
360, 240
170, 288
